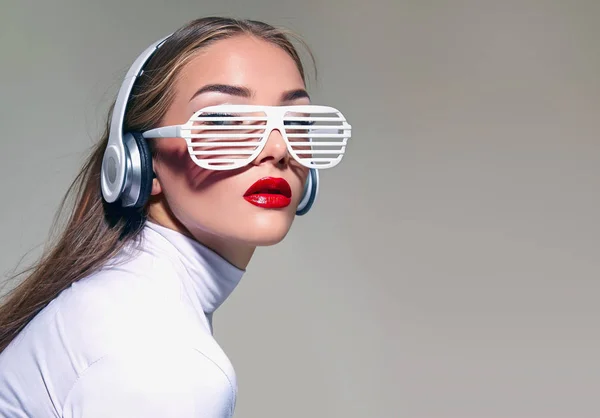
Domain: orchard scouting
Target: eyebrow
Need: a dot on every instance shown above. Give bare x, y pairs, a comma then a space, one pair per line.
295, 94
225, 89
246, 92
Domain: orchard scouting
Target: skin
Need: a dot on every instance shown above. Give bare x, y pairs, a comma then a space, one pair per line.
208, 205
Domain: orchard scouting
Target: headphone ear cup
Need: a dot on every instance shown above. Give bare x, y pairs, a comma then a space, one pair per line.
146, 171
311, 190
138, 174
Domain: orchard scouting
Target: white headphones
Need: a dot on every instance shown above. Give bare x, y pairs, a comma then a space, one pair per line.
127, 164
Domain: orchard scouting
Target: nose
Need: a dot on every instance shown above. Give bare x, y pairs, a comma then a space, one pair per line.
275, 150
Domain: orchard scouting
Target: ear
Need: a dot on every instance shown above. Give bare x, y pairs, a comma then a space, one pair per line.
156, 187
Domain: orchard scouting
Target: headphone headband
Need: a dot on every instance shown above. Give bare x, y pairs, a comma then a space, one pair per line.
114, 161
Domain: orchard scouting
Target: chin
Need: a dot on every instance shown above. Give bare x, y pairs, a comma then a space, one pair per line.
268, 228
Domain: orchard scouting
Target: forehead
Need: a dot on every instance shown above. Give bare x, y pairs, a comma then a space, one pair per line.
245, 61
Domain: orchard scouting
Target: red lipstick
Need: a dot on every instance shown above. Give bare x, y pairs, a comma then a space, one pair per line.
269, 193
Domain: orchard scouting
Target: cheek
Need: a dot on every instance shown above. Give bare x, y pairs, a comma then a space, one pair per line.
175, 167
172, 154
301, 174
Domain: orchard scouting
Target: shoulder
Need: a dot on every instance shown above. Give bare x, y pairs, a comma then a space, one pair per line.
125, 303
125, 307
120, 303
164, 380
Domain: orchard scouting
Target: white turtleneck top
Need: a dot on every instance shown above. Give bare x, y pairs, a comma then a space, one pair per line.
133, 340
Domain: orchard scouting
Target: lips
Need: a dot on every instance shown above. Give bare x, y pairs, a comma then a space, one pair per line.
269, 193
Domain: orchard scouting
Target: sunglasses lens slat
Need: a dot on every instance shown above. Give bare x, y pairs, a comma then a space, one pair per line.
317, 135
225, 137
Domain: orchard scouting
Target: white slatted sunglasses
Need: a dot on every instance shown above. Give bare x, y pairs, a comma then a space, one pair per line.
226, 137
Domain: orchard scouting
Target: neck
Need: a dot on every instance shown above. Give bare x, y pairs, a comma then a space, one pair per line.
206, 278
237, 253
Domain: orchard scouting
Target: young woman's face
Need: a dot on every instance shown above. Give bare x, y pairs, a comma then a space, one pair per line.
211, 205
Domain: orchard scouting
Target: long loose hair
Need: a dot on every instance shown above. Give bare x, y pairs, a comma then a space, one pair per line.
95, 231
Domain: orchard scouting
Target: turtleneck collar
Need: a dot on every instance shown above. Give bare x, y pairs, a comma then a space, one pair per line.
210, 278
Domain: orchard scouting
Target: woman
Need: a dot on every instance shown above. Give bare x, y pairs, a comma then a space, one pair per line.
211, 150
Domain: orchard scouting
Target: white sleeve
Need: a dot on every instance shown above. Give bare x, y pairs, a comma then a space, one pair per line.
140, 385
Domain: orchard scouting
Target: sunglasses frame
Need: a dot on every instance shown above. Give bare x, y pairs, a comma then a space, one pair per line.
275, 119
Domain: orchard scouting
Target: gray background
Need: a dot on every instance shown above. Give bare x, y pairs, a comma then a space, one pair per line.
451, 266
